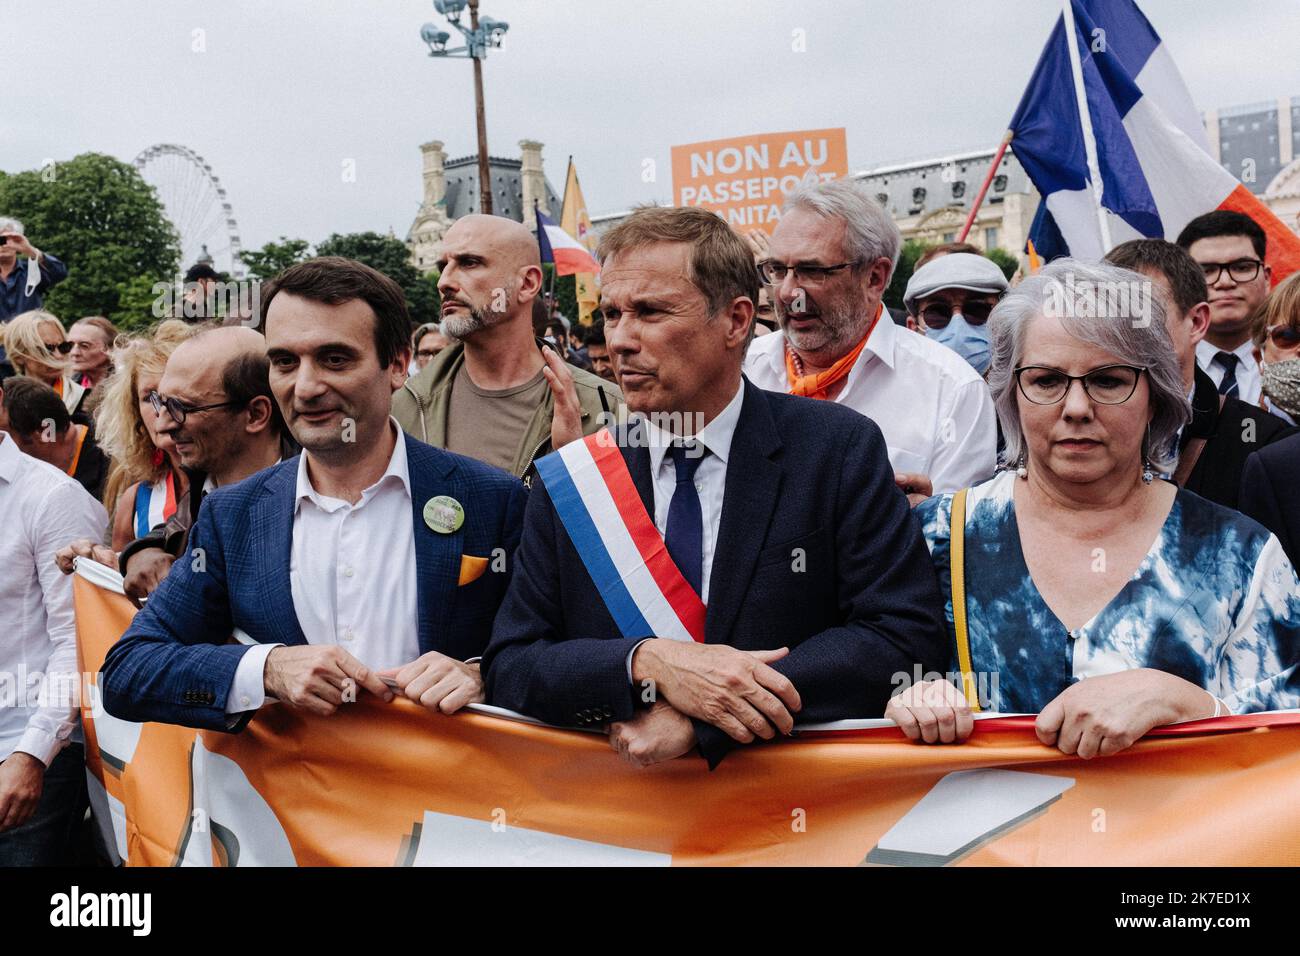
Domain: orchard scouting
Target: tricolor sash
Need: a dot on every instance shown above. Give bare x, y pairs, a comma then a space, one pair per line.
623, 551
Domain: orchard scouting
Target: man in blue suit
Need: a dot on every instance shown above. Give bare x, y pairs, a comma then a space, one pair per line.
370, 561
781, 514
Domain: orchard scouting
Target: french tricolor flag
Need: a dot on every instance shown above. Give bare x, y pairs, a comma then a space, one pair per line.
1109, 135
569, 255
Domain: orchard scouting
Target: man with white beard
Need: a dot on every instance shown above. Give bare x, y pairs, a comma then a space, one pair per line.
829, 263
497, 393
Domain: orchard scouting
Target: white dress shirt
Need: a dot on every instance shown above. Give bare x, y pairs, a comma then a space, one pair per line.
710, 476
351, 574
710, 483
41, 510
1248, 380
934, 409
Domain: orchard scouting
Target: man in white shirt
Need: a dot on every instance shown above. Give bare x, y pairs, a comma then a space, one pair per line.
370, 560
42, 773
1229, 247
829, 263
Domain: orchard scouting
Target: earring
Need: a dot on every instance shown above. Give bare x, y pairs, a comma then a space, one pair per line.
1021, 470
1148, 473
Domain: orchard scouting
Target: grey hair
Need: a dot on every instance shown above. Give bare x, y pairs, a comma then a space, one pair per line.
870, 233
11, 225
1112, 308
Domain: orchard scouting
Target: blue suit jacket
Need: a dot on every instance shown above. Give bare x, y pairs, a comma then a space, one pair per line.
175, 665
817, 551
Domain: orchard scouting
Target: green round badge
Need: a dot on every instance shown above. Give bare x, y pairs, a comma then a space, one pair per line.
444, 514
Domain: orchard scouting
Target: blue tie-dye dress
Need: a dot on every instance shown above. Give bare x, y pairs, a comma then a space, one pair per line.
1215, 601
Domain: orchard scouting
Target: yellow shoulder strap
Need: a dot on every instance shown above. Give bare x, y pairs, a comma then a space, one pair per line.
957, 571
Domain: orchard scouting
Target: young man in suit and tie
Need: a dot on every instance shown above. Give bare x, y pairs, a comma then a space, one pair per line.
370, 555
807, 585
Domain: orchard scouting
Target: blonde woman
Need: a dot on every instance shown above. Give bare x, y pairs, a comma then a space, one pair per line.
38, 347
1275, 329
146, 480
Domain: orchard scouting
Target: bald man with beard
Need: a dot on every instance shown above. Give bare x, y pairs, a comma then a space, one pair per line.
498, 393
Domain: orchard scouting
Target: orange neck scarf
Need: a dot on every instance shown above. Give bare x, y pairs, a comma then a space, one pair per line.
818, 384
82, 431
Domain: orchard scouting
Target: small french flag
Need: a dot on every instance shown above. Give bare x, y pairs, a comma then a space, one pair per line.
569, 255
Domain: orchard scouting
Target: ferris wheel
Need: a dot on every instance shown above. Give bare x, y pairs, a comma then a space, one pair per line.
195, 202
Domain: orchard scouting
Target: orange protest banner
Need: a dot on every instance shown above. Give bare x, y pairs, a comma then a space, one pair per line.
745, 179
391, 784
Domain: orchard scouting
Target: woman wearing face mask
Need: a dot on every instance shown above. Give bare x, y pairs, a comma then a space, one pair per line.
949, 300
1276, 332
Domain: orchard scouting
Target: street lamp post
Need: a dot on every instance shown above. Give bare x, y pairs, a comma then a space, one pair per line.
479, 35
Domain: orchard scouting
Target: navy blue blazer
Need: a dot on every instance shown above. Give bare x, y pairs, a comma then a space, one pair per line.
175, 665
1268, 492
817, 551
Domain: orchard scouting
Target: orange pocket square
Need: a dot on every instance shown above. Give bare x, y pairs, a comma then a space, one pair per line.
471, 569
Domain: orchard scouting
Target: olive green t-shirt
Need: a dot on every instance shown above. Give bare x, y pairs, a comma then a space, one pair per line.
490, 425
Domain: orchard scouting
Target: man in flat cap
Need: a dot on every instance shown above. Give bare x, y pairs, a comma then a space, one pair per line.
949, 300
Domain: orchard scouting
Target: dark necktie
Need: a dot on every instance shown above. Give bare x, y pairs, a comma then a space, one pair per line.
685, 532
1228, 362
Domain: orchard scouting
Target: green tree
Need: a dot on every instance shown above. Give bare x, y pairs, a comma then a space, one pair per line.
137, 302
1006, 261
566, 291
390, 256
912, 250
274, 257
100, 217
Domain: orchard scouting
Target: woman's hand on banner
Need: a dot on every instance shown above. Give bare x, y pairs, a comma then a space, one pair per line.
438, 682
653, 736
933, 711
1100, 716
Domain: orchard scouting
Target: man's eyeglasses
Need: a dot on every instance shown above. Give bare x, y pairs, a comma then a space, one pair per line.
1243, 270
178, 409
774, 273
1285, 336
1110, 385
938, 316
426, 353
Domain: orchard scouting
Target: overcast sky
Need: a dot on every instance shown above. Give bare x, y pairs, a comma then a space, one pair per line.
286, 91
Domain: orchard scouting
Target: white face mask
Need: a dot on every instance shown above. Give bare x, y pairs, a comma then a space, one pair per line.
33, 276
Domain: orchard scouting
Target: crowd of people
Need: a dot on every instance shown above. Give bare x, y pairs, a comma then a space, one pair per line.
748, 495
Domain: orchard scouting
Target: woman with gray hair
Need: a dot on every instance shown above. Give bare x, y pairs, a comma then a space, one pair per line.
1082, 589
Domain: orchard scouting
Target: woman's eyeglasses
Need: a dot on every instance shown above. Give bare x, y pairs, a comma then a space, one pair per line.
63, 348
1110, 385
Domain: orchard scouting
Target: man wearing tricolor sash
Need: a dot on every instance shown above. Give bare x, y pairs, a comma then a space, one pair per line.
728, 562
